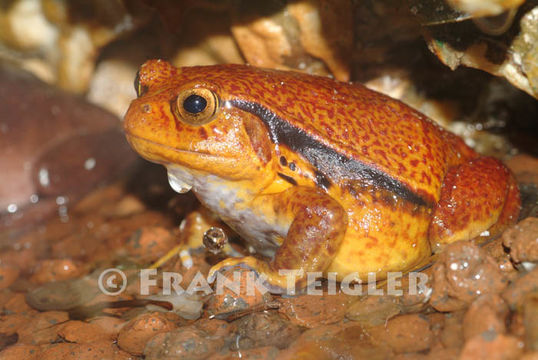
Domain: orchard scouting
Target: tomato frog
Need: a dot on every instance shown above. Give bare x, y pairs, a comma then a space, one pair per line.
316, 175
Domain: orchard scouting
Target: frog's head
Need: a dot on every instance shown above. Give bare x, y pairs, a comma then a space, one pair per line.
182, 119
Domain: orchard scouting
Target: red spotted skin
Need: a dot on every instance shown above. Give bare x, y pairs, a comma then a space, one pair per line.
339, 177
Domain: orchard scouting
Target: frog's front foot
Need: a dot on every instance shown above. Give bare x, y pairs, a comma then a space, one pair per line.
273, 280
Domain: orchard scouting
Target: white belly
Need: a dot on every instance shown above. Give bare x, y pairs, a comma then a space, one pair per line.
222, 198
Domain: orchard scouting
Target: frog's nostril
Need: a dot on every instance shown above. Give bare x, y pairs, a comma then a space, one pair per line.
146, 108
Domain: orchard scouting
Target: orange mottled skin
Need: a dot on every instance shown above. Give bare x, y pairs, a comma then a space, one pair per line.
317, 174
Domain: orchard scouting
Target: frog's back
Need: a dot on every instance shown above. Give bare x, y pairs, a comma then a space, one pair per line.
349, 130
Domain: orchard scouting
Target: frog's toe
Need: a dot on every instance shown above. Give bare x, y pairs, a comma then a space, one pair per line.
272, 280
248, 262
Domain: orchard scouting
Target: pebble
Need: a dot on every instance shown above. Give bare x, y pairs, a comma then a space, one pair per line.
43, 329
8, 275
373, 310
149, 243
488, 313
21, 351
262, 329
315, 310
530, 321
98, 350
186, 342
229, 302
262, 353
524, 167
492, 346
51, 270
110, 326
404, 333
515, 293
462, 273
137, 332
522, 240
81, 332
336, 341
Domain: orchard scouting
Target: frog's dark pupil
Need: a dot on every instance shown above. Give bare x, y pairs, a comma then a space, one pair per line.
194, 104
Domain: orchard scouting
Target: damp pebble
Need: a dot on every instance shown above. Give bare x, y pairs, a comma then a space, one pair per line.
265, 329
488, 313
55, 270
462, 273
110, 326
187, 342
404, 333
81, 332
522, 240
530, 321
149, 243
136, 333
515, 293
21, 351
314, 310
452, 334
525, 168
43, 329
238, 297
492, 346
373, 310
8, 275
261, 353
98, 350
336, 341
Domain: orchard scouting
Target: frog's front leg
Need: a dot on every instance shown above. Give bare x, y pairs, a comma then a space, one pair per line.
318, 225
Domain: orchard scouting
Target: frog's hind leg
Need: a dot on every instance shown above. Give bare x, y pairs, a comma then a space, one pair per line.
479, 197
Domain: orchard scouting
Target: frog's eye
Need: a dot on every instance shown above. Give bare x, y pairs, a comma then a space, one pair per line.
196, 106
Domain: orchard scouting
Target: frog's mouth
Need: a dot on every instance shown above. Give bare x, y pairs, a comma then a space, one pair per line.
181, 175
144, 147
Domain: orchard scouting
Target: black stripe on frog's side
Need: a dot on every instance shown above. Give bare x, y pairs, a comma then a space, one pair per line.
329, 163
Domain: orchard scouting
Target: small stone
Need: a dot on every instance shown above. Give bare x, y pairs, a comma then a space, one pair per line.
530, 321
149, 243
43, 329
404, 333
522, 240
492, 346
110, 326
336, 341
530, 356
463, 272
487, 313
21, 351
265, 329
525, 168
237, 298
97, 350
55, 270
373, 310
312, 310
137, 332
186, 342
452, 334
81, 332
519, 288
8, 275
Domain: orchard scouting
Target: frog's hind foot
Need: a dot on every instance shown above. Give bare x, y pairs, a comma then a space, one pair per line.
479, 198
270, 280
